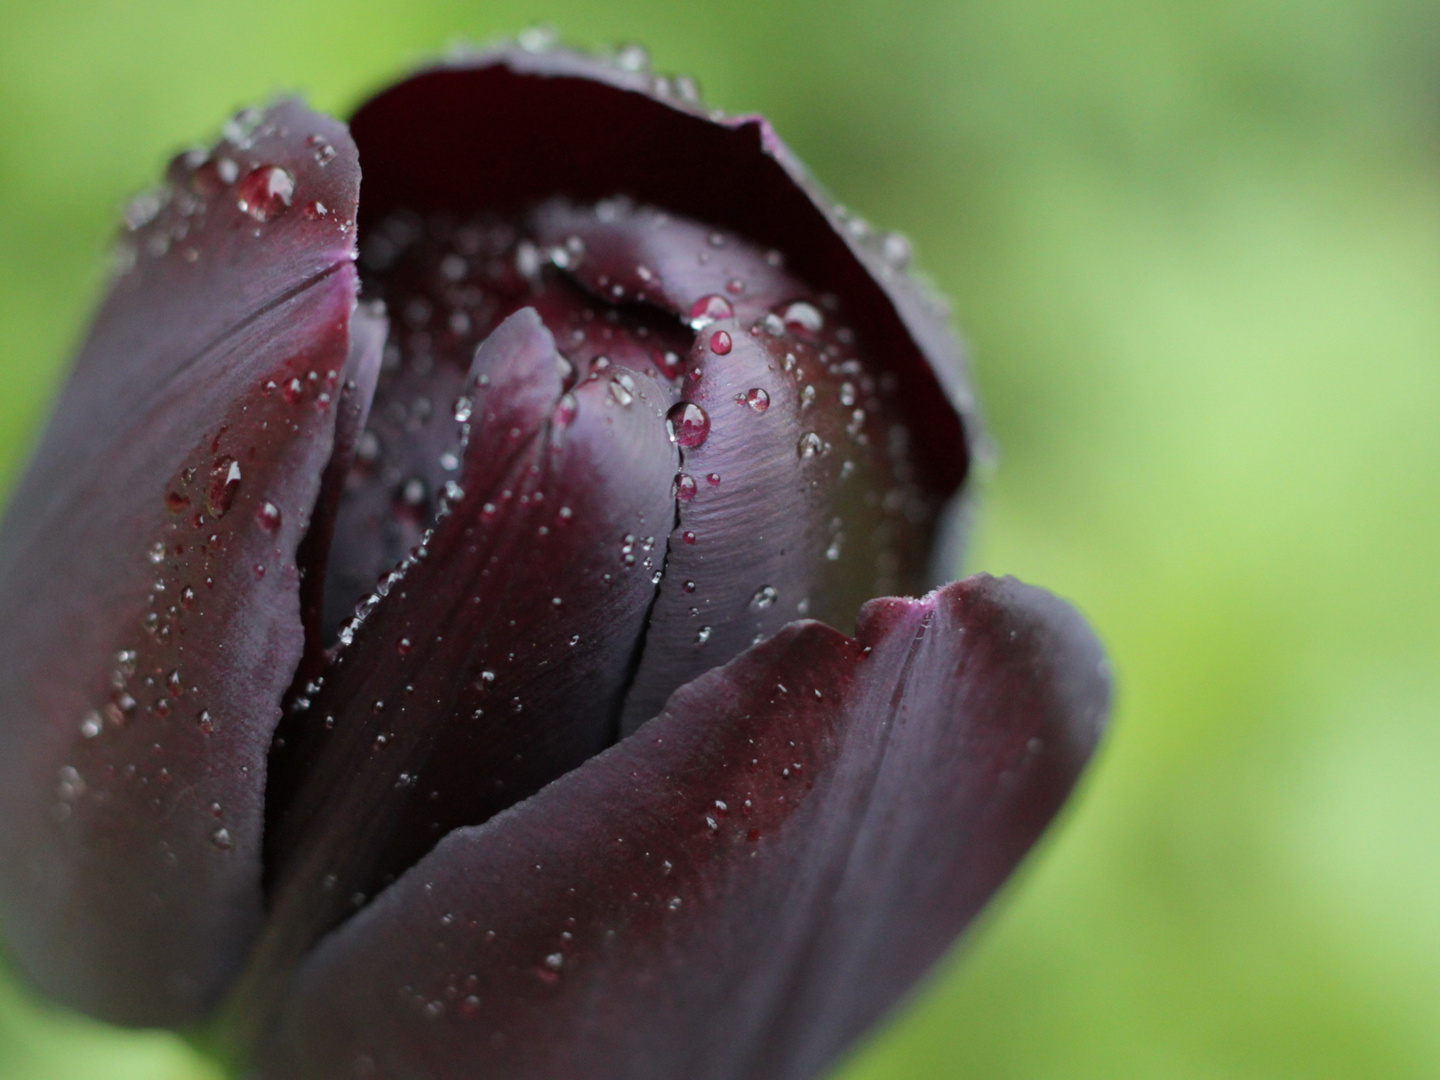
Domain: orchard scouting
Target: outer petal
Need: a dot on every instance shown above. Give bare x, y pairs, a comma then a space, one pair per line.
500, 129
148, 578
743, 886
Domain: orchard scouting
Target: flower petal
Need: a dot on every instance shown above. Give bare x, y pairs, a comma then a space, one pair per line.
416, 732
741, 888
148, 575
801, 497
500, 129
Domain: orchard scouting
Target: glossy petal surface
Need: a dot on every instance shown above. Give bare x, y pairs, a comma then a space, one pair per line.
493, 662
801, 497
148, 576
743, 886
464, 136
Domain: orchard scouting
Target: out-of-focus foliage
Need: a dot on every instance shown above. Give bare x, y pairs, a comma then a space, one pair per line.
1195, 248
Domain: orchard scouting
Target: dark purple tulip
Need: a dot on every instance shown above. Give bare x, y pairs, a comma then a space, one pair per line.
423, 666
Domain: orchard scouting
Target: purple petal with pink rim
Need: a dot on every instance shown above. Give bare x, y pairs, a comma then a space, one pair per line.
149, 579
465, 136
744, 886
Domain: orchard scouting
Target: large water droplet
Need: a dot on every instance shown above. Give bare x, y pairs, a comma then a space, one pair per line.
707, 309
720, 343
688, 424
685, 487
268, 516
265, 192
804, 318
810, 444
622, 389
224, 485
756, 397
566, 410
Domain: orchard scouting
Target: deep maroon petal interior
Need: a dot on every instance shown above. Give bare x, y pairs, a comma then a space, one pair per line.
501, 129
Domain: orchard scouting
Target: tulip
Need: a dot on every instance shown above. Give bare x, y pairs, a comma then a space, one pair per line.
426, 644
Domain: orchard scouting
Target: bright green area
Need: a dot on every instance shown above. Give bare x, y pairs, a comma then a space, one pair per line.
1195, 248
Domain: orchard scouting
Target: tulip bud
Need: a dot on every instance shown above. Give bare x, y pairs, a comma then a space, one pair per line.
418, 646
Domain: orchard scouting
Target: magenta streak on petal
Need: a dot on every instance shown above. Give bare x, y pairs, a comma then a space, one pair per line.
744, 886
491, 665
147, 643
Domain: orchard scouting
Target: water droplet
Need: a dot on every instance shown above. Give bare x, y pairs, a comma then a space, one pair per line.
720, 343
687, 537
268, 516
690, 586
674, 904
224, 485
803, 318
324, 152
538, 39
403, 646
669, 363
688, 424
71, 784
764, 597
187, 598
265, 192
847, 394
757, 398
632, 58
205, 722
896, 250
221, 839
156, 552
713, 479
555, 961
685, 487
173, 684
91, 725
810, 444
463, 408
708, 309
622, 389
703, 635
566, 410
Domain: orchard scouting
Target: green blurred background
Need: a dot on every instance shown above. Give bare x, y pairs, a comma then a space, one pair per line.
1195, 249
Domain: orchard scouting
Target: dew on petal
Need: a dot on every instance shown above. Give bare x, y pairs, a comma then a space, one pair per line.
708, 309
268, 516
804, 318
224, 485
756, 397
685, 487
720, 343
266, 191
688, 424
